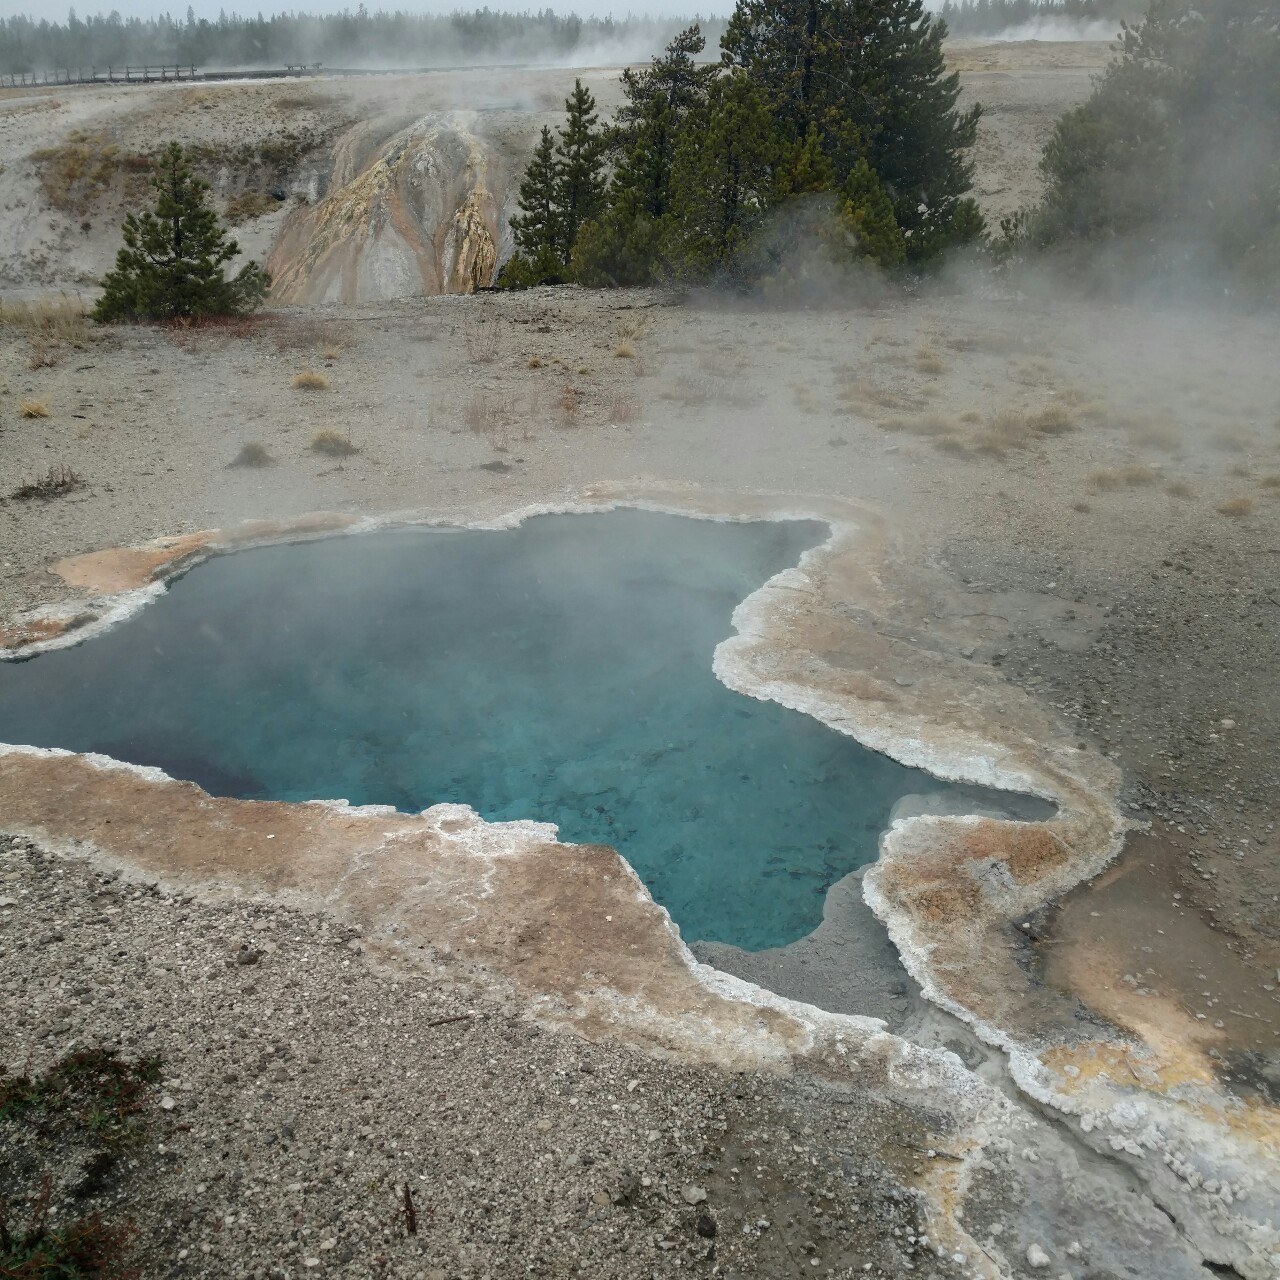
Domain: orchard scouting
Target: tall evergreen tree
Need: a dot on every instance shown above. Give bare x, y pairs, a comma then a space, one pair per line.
580, 177
539, 230
1177, 152
869, 76
726, 172
172, 261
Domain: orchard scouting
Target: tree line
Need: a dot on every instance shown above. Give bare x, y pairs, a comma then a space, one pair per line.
339, 39
970, 18
826, 123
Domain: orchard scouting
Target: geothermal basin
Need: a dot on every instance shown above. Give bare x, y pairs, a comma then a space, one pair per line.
560, 671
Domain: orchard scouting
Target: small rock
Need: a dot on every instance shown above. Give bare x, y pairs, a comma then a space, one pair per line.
903, 681
246, 955
706, 1226
1036, 1257
167, 1103
693, 1195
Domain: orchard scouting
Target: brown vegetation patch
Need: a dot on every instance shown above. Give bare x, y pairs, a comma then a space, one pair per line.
309, 380
74, 174
252, 454
1122, 478
333, 444
1236, 507
32, 409
248, 205
55, 482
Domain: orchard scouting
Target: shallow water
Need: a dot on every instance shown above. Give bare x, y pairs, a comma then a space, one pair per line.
560, 671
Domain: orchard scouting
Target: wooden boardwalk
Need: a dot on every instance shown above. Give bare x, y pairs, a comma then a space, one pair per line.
143, 75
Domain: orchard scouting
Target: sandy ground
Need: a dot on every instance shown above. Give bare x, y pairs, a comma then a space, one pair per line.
1091, 555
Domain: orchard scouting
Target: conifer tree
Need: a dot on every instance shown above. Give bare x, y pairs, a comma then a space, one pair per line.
172, 261
726, 170
869, 75
539, 231
580, 179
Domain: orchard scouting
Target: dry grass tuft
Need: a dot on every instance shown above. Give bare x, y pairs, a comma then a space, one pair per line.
568, 402
332, 353
309, 380
54, 483
929, 362
622, 409
248, 205
333, 444
1051, 421
950, 444
252, 454
632, 329
32, 409
73, 174
1122, 478
930, 424
63, 317
533, 362
489, 416
1236, 507
861, 393
1179, 489
624, 351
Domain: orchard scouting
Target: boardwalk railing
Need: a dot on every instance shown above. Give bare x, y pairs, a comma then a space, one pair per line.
97, 75
144, 75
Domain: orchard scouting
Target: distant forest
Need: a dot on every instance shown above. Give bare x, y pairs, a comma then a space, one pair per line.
970, 18
339, 40
428, 40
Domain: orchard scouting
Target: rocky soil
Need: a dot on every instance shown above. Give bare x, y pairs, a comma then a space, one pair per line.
304, 1087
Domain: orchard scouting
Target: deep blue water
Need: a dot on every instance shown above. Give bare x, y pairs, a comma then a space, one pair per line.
559, 671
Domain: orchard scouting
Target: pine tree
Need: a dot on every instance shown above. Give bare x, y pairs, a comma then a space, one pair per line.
869, 76
726, 170
539, 231
580, 179
172, 261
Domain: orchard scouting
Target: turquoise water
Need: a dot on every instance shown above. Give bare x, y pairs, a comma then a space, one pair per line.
560, 671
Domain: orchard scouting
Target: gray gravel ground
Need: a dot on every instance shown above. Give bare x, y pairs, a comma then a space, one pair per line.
302, 1092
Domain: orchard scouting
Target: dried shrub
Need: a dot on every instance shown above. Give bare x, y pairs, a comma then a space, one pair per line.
568, 402
32, 409
309, 380
533, 362
1122, 478
55, 482
863, 393
248, 205
929, 363
950, 444
930, 424
622, 410
632, 329
252, 454
1051, 421
74, 174
1236, 507
60, 319
624, 351
333, 444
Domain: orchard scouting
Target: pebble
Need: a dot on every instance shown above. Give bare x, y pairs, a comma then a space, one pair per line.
693, 1194
1036, 1257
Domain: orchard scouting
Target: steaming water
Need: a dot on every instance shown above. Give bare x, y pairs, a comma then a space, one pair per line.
559, 671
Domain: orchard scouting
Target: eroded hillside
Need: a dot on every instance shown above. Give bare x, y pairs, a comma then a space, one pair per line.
366, 189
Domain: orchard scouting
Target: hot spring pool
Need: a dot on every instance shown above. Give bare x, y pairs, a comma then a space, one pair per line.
559, 671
